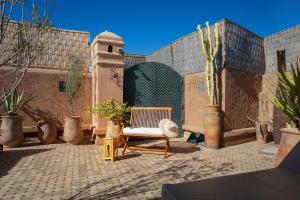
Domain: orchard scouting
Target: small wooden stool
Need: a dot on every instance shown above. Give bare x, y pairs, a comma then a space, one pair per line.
110, 148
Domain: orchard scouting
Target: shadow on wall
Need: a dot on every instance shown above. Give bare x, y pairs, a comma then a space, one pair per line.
241, 99
8, 159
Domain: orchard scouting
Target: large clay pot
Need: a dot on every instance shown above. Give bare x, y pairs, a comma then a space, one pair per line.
212, 127
11, 131
47, 131
73, 133
289, 138
114, 128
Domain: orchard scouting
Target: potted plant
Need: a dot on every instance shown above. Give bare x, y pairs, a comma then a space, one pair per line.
263, 130
287, 99
74, 80
11, 127
212, 119
116, 113
46, 123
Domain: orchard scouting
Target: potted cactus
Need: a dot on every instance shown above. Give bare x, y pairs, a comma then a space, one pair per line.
287, 99
74, 79
212, 119
11, 127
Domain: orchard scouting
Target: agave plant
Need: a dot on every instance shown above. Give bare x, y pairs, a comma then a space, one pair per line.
13, 102
287, 97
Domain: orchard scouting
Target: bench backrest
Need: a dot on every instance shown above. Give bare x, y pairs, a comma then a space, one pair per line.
149, 116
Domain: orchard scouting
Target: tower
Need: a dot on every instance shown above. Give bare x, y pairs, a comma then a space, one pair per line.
107, 72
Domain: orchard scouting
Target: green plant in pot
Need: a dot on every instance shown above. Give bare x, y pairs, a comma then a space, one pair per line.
287, 99
74, 80
11, 127
116, 114
46, 123
212, 121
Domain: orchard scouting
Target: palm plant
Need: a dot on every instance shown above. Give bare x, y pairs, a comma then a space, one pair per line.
14, 102
287, 97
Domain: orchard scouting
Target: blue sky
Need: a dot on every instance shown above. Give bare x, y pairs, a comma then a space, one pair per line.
147, 25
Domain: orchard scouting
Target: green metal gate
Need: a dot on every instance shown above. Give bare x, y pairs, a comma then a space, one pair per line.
155, 84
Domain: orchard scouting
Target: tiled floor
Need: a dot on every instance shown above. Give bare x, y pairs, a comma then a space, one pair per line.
63, 171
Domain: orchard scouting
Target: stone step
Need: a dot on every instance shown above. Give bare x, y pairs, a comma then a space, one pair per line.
239, 136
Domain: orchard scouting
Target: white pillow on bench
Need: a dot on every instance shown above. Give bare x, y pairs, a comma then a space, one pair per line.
143, 131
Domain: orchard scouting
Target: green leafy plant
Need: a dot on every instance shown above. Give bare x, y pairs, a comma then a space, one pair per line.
210, 53
14, 102
287, 97
112, 110
74, 78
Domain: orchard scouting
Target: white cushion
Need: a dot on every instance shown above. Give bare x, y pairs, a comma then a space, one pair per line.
142, 130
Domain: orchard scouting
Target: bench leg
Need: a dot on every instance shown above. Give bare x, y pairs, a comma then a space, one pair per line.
167, 147
125, 145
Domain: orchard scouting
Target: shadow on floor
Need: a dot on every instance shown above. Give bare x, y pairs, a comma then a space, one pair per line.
142, 183
9, 158
176, 146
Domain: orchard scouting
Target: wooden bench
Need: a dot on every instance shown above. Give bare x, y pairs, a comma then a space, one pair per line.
143, 120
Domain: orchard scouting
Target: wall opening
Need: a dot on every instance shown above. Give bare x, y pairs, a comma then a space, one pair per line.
62, 86
110, 49
281, 61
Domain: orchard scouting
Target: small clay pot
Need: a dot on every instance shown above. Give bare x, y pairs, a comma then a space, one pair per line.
47, 131
73, 133
212, 127
114, 126
11, 131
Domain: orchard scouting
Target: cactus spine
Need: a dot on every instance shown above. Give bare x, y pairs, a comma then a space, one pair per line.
210, 53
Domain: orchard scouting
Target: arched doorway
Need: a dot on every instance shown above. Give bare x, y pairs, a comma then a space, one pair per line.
155, 84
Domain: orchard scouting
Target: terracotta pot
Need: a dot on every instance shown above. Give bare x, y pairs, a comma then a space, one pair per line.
289, 138
47, 131
73, 133
114, 128
11, 131
212, 127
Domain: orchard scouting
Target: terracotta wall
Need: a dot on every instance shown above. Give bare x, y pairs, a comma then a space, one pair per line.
43, 85
195, 99
241, 99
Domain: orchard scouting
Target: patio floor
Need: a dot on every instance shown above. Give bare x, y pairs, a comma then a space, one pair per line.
63, 171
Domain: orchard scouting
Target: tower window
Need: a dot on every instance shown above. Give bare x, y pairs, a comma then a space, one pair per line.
110, 48
281, 61
62, 86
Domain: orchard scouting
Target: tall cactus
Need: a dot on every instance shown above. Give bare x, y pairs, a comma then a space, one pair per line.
210, 53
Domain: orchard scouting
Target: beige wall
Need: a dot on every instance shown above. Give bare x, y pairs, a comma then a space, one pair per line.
43, 85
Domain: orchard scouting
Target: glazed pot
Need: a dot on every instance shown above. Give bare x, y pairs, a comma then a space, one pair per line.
289, 138
212, 127
73, 133
11, 131
47, 131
